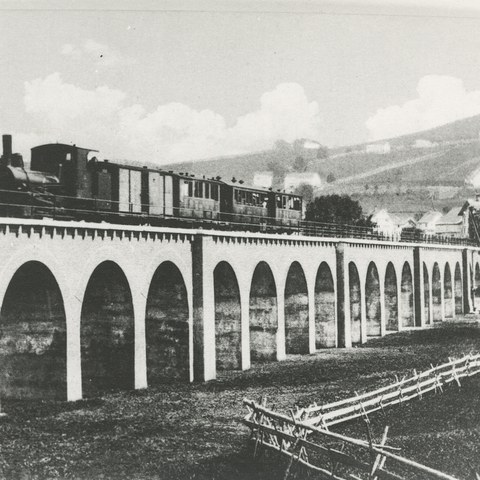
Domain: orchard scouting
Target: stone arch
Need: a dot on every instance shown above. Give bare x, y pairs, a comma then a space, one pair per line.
107, 331
372, 301
166, 326
33, 338
355, 296
263, 314
228, 319
426, 294
407, 312
447, 292
296, 311
325, 317
391, 298
458, 290
436, 293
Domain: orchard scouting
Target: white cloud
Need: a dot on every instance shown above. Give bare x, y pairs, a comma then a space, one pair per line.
103, 119
101, 54
441, 99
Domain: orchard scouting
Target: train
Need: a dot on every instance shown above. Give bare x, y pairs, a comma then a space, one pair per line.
70, 183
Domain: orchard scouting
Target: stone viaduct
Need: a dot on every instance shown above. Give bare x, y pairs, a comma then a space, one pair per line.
86, 308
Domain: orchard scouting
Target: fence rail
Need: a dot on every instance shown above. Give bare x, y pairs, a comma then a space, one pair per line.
304, 436
402, 390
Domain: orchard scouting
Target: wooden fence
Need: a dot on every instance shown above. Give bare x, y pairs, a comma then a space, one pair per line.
305, 438
402, 390
329, 454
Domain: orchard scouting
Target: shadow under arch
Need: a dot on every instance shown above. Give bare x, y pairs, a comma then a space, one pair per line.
228, 318
372, 301
166, 326
263, 325
107, 332
33, 336
325, 314
391, 298
458, 290
447, 292
407, 311
436, 293
296, 311
355, 296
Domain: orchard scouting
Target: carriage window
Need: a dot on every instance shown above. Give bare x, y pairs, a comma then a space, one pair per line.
214, 192
207, 190
199, 189
297, 204
68, 156
279, 201
190, 189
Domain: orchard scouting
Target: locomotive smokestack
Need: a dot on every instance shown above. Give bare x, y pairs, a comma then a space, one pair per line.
7, 146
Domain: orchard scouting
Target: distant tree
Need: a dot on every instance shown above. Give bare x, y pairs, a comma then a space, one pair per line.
300, 164
366, 187
334, 209
322, 152
306, 191
283, 146
331, 177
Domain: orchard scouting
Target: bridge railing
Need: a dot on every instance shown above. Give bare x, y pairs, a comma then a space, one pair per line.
39, 205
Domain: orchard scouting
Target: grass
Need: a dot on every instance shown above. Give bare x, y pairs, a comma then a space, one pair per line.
195, 432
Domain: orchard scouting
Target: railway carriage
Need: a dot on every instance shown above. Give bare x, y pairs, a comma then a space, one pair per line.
69, 182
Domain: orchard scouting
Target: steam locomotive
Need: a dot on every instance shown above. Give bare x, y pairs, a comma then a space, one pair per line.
69, 182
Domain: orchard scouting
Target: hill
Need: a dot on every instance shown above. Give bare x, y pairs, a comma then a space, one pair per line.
422, 170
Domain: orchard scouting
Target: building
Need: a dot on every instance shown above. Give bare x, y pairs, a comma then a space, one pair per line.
295, 179
263, 179
391, 224
381, 148
422, 143
453, 224
428, 222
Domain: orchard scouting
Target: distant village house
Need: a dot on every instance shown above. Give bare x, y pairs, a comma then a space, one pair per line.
380, 148
295, 179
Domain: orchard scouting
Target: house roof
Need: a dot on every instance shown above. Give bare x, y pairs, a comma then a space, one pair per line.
430, 216
403, 218
452, 217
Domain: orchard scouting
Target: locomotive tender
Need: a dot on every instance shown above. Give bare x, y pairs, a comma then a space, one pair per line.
69, 182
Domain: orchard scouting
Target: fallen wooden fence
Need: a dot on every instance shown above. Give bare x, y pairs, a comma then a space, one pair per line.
402, 390
330, 454
305, 437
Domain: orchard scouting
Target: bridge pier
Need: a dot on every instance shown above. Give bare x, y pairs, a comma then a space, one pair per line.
139, 300
204, 355
343, 305
73, 311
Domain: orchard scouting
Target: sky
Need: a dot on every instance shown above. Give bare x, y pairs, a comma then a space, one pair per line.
170, 81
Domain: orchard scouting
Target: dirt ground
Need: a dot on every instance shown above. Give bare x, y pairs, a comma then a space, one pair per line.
195, 432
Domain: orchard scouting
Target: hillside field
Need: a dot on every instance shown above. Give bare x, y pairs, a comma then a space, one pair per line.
178, 431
